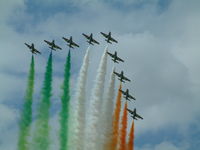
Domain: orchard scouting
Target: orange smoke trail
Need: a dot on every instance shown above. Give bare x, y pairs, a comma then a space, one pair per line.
130, 145
112, 144
122, 140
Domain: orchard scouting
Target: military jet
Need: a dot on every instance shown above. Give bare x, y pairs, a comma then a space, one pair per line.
90, 39
121, 76
115, 58
127, 96
109, 38
70, 42
134, 114
32, 49
52, 45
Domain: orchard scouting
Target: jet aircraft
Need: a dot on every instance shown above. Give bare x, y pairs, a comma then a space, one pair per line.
52, 45
134, 114
115, 58
90, 39
70, 42
109, 38
127, 96
121, 76
32, 49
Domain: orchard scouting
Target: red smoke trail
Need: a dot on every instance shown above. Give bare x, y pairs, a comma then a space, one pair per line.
130, 144
122, 140
112, 144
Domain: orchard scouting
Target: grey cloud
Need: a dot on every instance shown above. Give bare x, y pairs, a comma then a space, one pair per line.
165, 145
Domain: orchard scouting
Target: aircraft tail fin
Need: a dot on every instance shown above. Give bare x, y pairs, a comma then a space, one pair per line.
108, 41
90, 42
115, 61
122, 80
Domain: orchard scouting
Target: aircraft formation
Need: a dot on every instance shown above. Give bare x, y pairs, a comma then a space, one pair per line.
108, 38
114, 57
122, 78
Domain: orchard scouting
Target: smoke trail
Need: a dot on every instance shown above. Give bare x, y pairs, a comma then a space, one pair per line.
106, 121
112, 145
95, 109
41, 136
122, 142
26, 116
65, 99
130, 145
78, 121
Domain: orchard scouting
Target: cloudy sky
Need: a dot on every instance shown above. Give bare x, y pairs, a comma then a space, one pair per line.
159, 40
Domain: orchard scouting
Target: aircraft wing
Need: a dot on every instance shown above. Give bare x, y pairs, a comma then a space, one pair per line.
122, 91
134, 117
27, 45
93, 40
125, 78
56, 46
36, 51
130, 111
117, 74
110, 54
132, 97
48, 42
105, 35
75, 44
86, 36
120, 59
138, 116
112, 39
67, 40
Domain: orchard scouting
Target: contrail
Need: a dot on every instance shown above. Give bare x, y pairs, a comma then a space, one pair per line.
106, 117
122, 141
26, 115
65, 100
112, 145
41, 134
130, 144
95, 107
78, 121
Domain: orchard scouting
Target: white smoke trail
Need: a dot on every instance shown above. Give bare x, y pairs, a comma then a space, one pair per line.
107, 113
79, 112
92, 137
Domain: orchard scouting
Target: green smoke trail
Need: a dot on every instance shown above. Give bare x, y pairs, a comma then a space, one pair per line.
65, 99
26, 115
41, 134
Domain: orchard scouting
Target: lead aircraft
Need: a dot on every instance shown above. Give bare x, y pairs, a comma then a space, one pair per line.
32, 49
